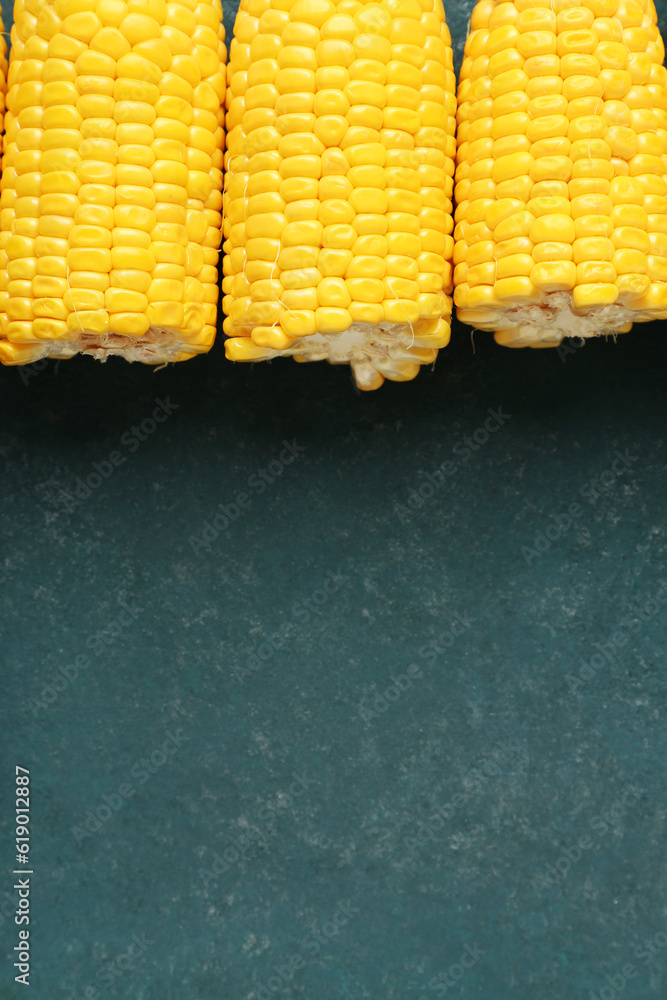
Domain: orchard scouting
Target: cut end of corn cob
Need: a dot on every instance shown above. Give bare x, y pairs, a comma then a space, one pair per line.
157, 346
111, 190
375, 352
340, 161
551, 318
561, 181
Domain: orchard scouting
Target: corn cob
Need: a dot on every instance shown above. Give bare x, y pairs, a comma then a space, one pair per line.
561, 181
110, 220
338, 184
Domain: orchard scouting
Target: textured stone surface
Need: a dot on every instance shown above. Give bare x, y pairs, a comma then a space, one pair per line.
531, 621
527, 620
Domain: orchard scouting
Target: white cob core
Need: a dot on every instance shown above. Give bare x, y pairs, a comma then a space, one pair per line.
546, 324
373, 351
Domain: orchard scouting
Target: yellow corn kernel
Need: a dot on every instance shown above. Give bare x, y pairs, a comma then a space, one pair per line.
562, 144
111, 188
339, 183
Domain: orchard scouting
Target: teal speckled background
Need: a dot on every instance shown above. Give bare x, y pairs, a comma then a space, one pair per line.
302, 835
